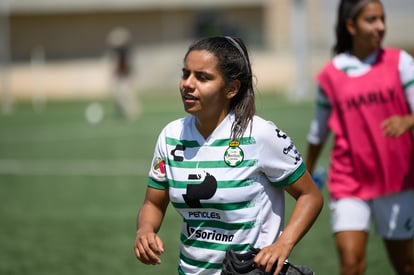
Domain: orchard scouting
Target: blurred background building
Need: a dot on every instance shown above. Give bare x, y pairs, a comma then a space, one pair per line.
59, 49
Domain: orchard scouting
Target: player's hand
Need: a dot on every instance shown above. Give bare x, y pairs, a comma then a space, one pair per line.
395, 126
148, 247
270, 255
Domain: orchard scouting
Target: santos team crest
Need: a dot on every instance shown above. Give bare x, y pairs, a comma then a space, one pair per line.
233, 155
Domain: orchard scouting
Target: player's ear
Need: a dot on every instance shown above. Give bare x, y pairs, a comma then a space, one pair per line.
233, 89
350, 26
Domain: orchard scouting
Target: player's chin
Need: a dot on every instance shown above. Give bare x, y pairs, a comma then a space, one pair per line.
377, 42
190, 108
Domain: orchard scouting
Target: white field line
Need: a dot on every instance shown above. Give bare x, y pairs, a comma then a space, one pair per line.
79, 167
52, 135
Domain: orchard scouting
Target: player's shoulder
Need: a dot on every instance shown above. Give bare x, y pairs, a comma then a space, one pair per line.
267, 134
400, 56
263, 128
179, 122
405, 57
176, 126
262, 123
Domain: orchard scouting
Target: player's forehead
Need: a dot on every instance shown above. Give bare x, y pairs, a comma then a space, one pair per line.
372, 9
201, 60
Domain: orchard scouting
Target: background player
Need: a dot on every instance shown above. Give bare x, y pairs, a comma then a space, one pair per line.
366, 98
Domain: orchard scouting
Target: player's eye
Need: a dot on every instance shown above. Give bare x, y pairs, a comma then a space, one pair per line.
203, 77
185, 74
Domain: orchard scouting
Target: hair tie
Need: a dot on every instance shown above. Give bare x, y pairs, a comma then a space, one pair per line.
357, 8
237, 45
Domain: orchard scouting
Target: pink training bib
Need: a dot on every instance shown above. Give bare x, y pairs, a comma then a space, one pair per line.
364, 162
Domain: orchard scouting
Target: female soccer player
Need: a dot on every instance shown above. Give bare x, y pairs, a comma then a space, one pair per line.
366, 98
225, 170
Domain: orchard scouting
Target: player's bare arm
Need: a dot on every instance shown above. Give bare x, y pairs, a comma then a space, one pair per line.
148, 245
309, 202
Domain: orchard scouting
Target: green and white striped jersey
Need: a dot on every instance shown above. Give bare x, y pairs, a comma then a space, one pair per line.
228, 192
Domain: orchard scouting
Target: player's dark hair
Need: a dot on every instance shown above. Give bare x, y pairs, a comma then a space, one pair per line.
347, 9
234, 64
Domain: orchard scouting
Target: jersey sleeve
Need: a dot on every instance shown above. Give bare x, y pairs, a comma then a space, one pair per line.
406, 68
157, 174
318, 130
280, 160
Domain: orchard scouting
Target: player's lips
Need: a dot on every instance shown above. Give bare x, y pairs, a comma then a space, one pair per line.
189, 98
377, 41
379, 36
